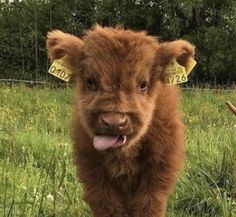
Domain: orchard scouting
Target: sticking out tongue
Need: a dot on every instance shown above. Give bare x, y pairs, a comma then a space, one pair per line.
103, 142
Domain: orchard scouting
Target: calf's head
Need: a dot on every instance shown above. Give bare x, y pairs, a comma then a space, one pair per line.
119, 75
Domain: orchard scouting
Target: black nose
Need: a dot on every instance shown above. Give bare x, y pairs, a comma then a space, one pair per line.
113, 120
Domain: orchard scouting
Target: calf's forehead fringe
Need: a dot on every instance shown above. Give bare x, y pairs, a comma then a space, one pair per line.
110, 47
117, 36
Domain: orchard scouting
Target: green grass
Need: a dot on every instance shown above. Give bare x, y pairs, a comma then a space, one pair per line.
37, 175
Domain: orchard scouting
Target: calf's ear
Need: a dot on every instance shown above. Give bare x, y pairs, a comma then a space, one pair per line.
180, 50
66, 46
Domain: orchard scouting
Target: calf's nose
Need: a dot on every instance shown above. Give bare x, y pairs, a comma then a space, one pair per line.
115, 120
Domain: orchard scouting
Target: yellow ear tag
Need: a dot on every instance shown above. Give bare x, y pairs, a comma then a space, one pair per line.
177, 74
59, 70
192, 62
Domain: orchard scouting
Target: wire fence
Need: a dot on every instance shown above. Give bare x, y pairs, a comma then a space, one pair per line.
34, 83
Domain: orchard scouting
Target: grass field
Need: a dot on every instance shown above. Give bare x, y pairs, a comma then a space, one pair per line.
37, 176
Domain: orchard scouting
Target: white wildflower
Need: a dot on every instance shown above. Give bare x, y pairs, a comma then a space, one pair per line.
50, 197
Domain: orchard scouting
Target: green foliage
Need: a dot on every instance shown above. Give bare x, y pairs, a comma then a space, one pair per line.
37, 175
209, 24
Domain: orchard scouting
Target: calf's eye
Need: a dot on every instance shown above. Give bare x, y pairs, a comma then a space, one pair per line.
143, 85
91, 84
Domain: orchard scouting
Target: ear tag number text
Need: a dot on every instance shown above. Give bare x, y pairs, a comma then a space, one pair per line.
178, 74
59, 70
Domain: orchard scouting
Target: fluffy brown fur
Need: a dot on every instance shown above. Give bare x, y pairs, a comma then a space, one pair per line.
120, 75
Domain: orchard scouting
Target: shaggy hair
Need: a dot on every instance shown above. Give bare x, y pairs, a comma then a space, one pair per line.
127, 129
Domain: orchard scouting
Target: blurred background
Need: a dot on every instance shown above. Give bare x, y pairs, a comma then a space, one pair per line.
208, 24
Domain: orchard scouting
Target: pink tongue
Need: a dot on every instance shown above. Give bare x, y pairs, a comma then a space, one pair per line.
104, 142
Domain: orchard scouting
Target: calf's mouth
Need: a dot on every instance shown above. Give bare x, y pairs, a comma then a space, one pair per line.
103, 142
